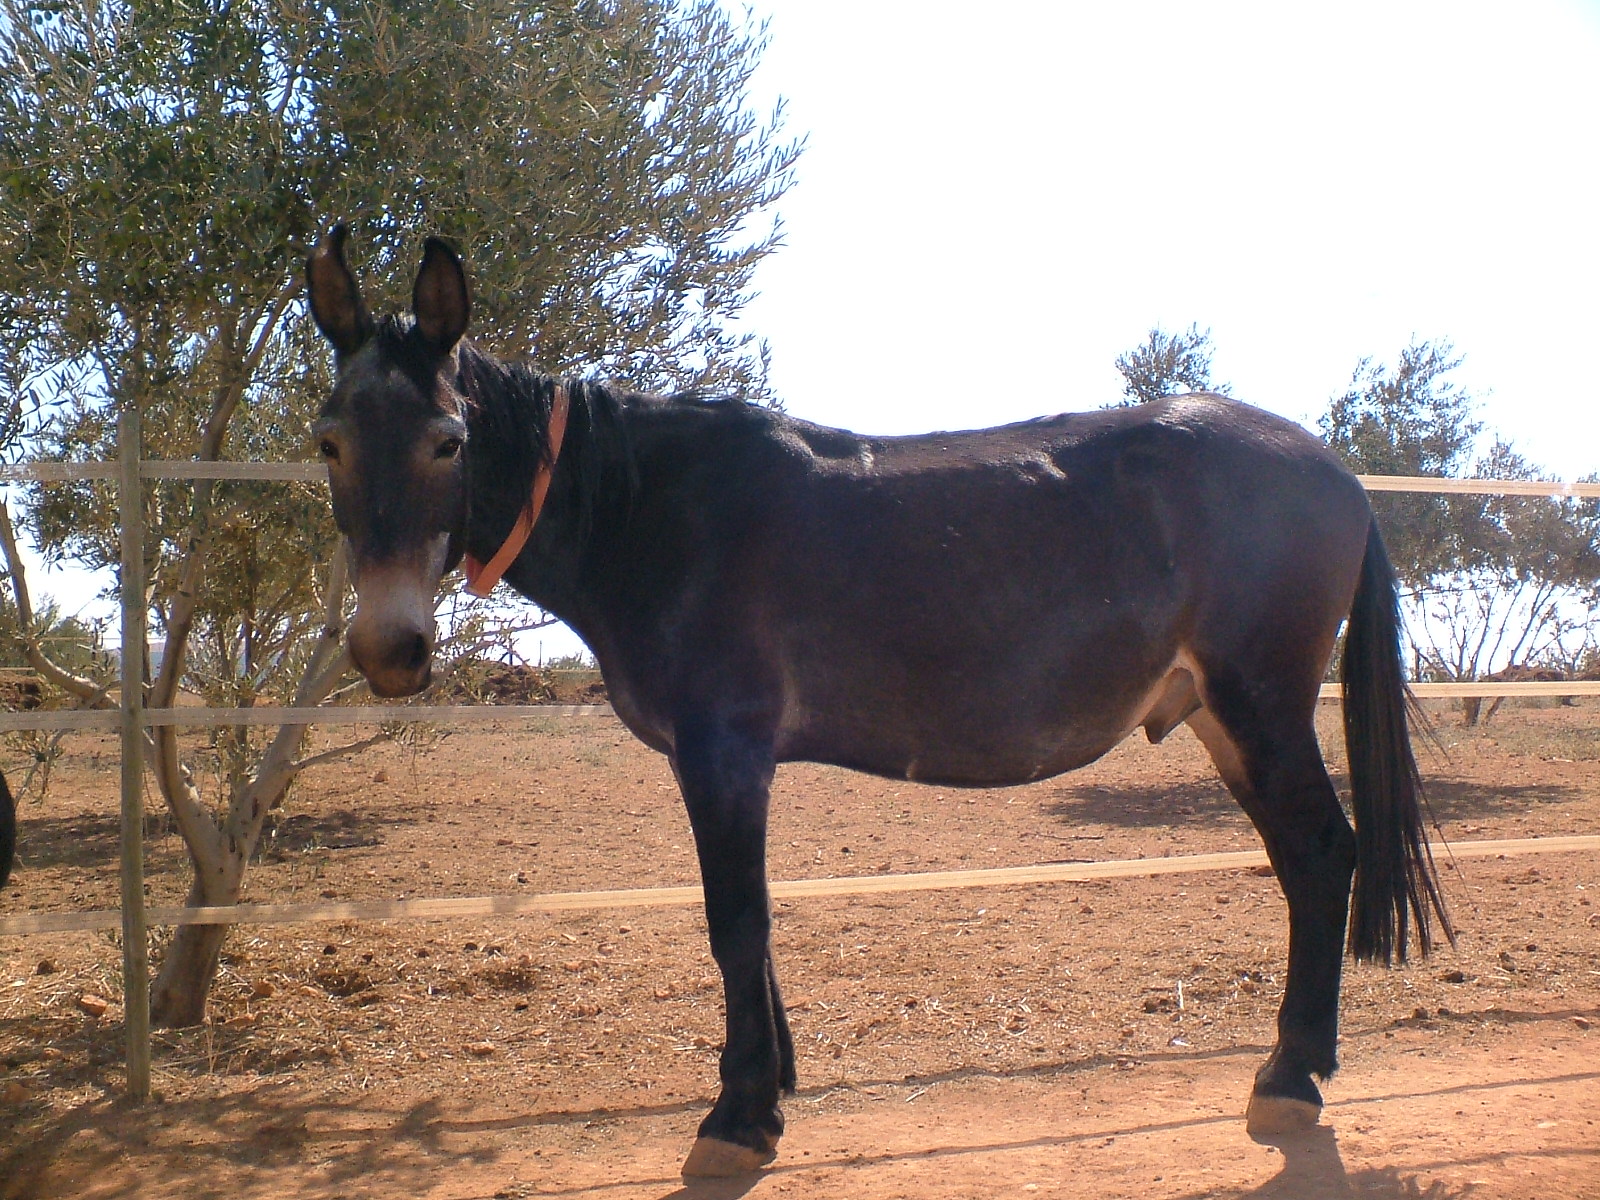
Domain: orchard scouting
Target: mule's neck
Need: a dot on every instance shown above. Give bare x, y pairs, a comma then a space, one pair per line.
508, 420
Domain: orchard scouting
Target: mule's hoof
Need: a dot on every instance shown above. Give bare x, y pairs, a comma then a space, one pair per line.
1276, 1116
714, 1158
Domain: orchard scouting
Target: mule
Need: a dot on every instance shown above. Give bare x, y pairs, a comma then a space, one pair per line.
961, 609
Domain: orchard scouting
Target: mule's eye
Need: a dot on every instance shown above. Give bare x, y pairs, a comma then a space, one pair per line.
329, 450
448, 448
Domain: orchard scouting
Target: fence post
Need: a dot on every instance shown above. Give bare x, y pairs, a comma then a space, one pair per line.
135, 944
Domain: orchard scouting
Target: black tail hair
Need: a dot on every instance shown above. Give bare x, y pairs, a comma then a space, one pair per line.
1395, 882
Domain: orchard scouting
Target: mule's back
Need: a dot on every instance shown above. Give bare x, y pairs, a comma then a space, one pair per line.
1005, 604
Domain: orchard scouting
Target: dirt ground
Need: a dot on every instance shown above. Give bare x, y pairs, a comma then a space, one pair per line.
1075, 1039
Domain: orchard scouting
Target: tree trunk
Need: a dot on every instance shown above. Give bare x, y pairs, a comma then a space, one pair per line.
178, 996
182, 985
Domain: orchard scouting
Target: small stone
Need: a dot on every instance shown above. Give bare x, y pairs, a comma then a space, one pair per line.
94, 1006
1583, 1022
380, 776
480, 1049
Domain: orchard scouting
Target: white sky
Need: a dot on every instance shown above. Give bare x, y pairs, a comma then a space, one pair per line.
997, 200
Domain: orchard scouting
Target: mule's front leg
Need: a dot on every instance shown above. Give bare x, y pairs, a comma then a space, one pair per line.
725, 776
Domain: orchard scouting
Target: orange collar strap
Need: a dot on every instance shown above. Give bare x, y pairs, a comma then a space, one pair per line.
481, 577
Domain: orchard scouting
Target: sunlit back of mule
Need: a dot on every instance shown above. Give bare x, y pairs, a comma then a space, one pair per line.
979, 608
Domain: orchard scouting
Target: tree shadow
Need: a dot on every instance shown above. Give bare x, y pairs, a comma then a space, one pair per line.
114, 1143
222, 1146
1457, 799
86, 840
94, 840
1206, 804
1138, 806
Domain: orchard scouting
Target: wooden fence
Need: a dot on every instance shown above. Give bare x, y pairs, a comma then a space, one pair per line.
132, 718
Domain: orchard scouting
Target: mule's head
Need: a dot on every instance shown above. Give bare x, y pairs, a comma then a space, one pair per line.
393, 434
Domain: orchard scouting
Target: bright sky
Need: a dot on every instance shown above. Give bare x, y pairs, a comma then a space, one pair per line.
997, 200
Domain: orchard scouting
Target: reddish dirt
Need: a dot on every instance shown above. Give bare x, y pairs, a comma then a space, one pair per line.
1079, 1039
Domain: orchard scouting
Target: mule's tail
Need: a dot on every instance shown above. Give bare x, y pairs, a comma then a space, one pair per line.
1395, 881
8, 830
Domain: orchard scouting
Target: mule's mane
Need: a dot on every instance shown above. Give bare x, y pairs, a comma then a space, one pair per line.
508, 415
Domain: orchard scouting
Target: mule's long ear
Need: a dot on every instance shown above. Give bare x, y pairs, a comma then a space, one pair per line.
335, 296
439, 299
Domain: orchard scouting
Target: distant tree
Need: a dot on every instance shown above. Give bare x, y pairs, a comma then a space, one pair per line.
1168, 364
1413, 421
1491, 580
164, 168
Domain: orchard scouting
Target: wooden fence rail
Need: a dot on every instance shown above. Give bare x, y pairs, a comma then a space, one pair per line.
669, 897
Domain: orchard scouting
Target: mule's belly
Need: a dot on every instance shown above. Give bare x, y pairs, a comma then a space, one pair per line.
949, 765
985, 737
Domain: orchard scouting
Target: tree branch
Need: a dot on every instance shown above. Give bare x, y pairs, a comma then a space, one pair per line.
90, 693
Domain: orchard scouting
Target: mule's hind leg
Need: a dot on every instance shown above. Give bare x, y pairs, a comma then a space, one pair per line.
1274, 769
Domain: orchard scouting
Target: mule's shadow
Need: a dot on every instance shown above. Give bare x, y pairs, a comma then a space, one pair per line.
1313, 1169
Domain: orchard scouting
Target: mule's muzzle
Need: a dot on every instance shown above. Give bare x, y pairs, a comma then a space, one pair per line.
391, 636
394, 665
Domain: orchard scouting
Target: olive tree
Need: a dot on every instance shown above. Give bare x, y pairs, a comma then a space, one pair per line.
1491, 580
164, 168
1167, 364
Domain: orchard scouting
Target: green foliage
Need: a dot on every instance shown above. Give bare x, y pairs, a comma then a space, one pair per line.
1167, 364
1413, 421
74, 644
166, 166
1494, 580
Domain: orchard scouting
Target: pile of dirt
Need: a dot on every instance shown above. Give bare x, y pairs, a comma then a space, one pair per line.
21, 690
478, 681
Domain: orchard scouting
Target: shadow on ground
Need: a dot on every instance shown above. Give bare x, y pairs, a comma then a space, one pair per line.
1208, 804
267, 1138
88, 841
